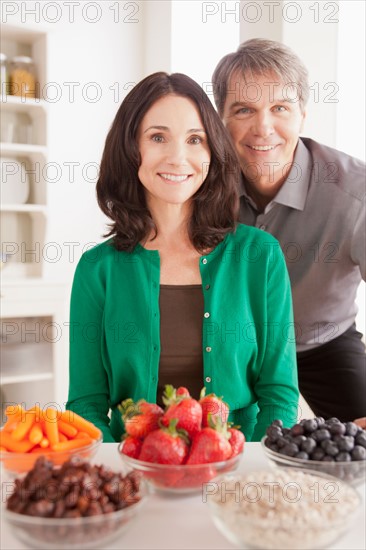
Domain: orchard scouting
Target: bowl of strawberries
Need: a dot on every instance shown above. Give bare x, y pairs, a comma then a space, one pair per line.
183, 446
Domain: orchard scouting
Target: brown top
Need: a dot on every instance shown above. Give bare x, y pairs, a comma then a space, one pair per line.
181, 362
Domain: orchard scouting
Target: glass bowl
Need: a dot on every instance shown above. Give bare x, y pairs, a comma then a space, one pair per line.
74, 533
353, 472
15, 464
181, 479
282, 509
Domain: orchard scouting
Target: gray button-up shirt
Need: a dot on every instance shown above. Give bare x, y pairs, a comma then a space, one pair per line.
318, 216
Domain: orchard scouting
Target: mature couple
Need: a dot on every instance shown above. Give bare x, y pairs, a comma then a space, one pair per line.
183, 294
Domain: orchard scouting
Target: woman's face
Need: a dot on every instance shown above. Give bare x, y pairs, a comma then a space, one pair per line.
175, 155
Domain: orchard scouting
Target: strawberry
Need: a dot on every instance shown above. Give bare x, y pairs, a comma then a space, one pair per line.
166, 445
183, 391
194, 479
185, 409
237, 440
132, 446
140, 418
211, 444
213, 405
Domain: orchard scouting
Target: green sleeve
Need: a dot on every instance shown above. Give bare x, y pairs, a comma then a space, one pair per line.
89, 387
277, 386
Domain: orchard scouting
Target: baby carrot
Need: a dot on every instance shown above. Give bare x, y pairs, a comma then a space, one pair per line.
44, 443
62, 437
14, 411
36, 434
11, 444
50, 418
23, 426
67, 429
82, 435
15, 414
81, 424
71, 444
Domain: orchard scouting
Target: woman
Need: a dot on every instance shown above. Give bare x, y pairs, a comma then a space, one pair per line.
180, 293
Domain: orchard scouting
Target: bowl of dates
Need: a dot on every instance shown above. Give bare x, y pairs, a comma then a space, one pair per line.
74, 506
329, 446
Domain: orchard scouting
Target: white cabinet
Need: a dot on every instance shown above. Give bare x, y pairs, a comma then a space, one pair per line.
34, 332
24, 158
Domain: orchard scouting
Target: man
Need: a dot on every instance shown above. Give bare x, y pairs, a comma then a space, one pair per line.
312, 199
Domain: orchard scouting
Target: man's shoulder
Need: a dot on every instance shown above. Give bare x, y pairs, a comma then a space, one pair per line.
332, 166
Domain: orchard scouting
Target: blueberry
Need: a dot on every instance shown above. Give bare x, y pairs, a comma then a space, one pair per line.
308, 445
337, 428
319, 420
299, 439
330, 447
351, 428
285, 431
360, 439
290, 449
297, 430
343, 456
317, 454
278, 423
345, 443
302, 455
310, 425
273, 433
321, 435
281, 442
358, 453
333, 420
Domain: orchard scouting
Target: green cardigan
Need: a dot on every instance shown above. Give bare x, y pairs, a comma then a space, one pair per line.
248, 341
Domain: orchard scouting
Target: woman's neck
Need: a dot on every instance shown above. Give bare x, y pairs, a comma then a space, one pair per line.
172, 226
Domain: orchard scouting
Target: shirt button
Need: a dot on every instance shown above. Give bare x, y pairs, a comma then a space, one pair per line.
206, 315
263, 227
208, 379
204, 261
207, 287
208, 349
155, 348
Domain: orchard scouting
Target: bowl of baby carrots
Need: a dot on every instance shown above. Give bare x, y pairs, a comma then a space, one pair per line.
57, 435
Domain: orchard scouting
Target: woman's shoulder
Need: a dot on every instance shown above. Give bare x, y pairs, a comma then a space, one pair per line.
247, 233
105, 252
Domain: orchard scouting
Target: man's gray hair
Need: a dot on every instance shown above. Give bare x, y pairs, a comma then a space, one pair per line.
260, 57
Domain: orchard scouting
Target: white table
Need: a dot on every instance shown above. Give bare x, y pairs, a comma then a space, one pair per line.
184, 522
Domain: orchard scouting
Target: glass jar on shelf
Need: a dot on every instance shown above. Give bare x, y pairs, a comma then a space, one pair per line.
22, 80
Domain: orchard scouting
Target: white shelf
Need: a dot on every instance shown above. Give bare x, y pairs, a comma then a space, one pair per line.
25, 208
19, 104
21, 379
23, 149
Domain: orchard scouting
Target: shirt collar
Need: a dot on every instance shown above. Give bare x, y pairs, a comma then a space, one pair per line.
294, 190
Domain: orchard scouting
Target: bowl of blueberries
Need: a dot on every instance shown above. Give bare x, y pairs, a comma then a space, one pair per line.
328, 446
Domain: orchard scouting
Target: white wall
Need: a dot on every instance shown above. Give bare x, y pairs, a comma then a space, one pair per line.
134, 38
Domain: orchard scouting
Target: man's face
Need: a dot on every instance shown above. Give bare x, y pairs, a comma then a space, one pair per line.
264, 119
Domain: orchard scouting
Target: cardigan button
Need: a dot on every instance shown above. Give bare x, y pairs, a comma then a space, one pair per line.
208, 349
206, 315
207, 287
204, 260
208, 379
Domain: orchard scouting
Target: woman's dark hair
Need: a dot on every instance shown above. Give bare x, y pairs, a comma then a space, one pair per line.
121, 195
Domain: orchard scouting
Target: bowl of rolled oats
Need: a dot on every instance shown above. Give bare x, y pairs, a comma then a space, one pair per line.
283, 509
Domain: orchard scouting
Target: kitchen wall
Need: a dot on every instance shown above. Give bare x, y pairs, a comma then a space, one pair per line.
97, 50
